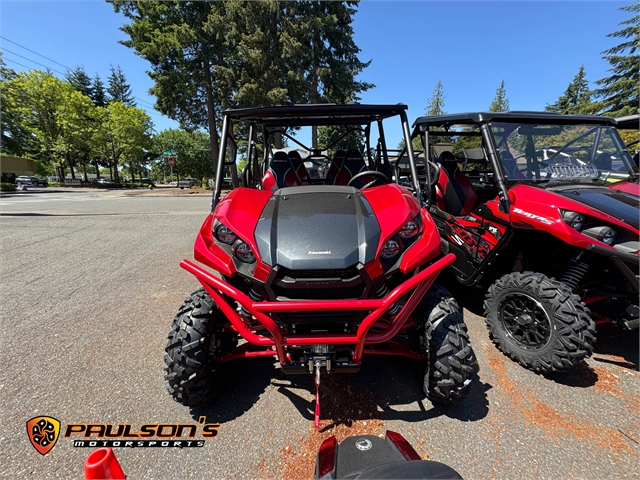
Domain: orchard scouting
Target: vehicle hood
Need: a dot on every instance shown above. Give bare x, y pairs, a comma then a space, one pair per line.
317, 228
617, 203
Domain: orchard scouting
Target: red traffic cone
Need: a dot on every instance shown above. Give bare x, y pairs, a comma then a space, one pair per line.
102, 464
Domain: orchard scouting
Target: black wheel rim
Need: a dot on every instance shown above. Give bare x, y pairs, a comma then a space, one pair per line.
525, 321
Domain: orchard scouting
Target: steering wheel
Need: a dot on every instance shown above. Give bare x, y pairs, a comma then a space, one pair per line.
380, 176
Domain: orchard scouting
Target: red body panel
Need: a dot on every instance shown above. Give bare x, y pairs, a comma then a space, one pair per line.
394, 206
239, 211
627, 187
425, 249
539, 209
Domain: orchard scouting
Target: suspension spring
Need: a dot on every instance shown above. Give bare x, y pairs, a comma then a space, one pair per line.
256, 297
575, 273
383, 292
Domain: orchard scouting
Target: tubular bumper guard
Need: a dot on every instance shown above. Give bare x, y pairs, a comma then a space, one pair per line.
217, 288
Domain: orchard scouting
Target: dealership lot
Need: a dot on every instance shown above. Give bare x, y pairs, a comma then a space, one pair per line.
90, 282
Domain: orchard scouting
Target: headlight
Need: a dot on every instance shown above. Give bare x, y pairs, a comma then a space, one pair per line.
225, 235
243, 252
604, 234
390, 249
573, 219
409, 230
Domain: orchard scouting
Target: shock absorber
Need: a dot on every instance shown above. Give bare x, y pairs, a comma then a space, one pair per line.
575, 272
382, 292
254, 296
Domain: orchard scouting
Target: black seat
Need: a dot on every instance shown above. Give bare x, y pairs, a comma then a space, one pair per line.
352, 165
280, 173
298, 166
335, 166
454, 192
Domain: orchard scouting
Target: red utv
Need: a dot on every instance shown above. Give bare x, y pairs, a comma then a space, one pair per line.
541, 210
319, 259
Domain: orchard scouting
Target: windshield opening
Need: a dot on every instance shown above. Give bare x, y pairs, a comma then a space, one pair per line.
544, 153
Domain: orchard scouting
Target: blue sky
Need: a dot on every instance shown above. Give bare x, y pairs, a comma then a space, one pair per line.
536, 47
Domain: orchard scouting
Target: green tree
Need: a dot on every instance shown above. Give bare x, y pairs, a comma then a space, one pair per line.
79, 80
125, 134
210, 56
435, 104
187, 44
619, 91
321, 54
500, 103
576, 98
193, 154
36, 97
75, 120
98, 94
118, 89
15, 138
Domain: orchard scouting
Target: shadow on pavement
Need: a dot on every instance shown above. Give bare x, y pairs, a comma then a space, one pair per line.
245, 381
386, 388
619, 345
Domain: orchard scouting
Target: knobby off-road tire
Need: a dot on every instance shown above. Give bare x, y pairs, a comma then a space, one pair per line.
191, 374
537, 321
452, 363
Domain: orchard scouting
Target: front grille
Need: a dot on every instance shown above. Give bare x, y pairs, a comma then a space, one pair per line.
332, 284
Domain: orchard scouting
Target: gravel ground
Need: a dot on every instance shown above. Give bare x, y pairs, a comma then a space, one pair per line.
89, 283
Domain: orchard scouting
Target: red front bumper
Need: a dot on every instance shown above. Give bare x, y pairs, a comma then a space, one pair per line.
218, 289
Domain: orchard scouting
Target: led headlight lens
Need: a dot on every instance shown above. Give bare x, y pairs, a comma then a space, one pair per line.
604, 234
243, 252
390, 249
225, 235
573, 219
409, 230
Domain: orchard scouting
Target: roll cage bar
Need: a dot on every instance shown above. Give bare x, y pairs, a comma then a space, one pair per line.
274, 120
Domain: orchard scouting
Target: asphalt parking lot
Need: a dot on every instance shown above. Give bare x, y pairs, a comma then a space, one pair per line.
89, 283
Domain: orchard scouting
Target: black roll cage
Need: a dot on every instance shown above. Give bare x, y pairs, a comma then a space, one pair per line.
441, 125
275, 120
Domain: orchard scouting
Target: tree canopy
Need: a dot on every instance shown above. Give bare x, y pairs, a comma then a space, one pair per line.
209, 56
619, 91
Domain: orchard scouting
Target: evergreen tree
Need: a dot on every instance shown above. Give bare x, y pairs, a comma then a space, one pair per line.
98, 94
500, 102
576, 98
188, 46
118, 89
324, 53
436, 102
619, 91
79, 80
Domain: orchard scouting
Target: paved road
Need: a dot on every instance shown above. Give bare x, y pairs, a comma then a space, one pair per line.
89, 283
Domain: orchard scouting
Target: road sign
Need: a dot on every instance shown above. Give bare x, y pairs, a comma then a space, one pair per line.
172, 161
169, 153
